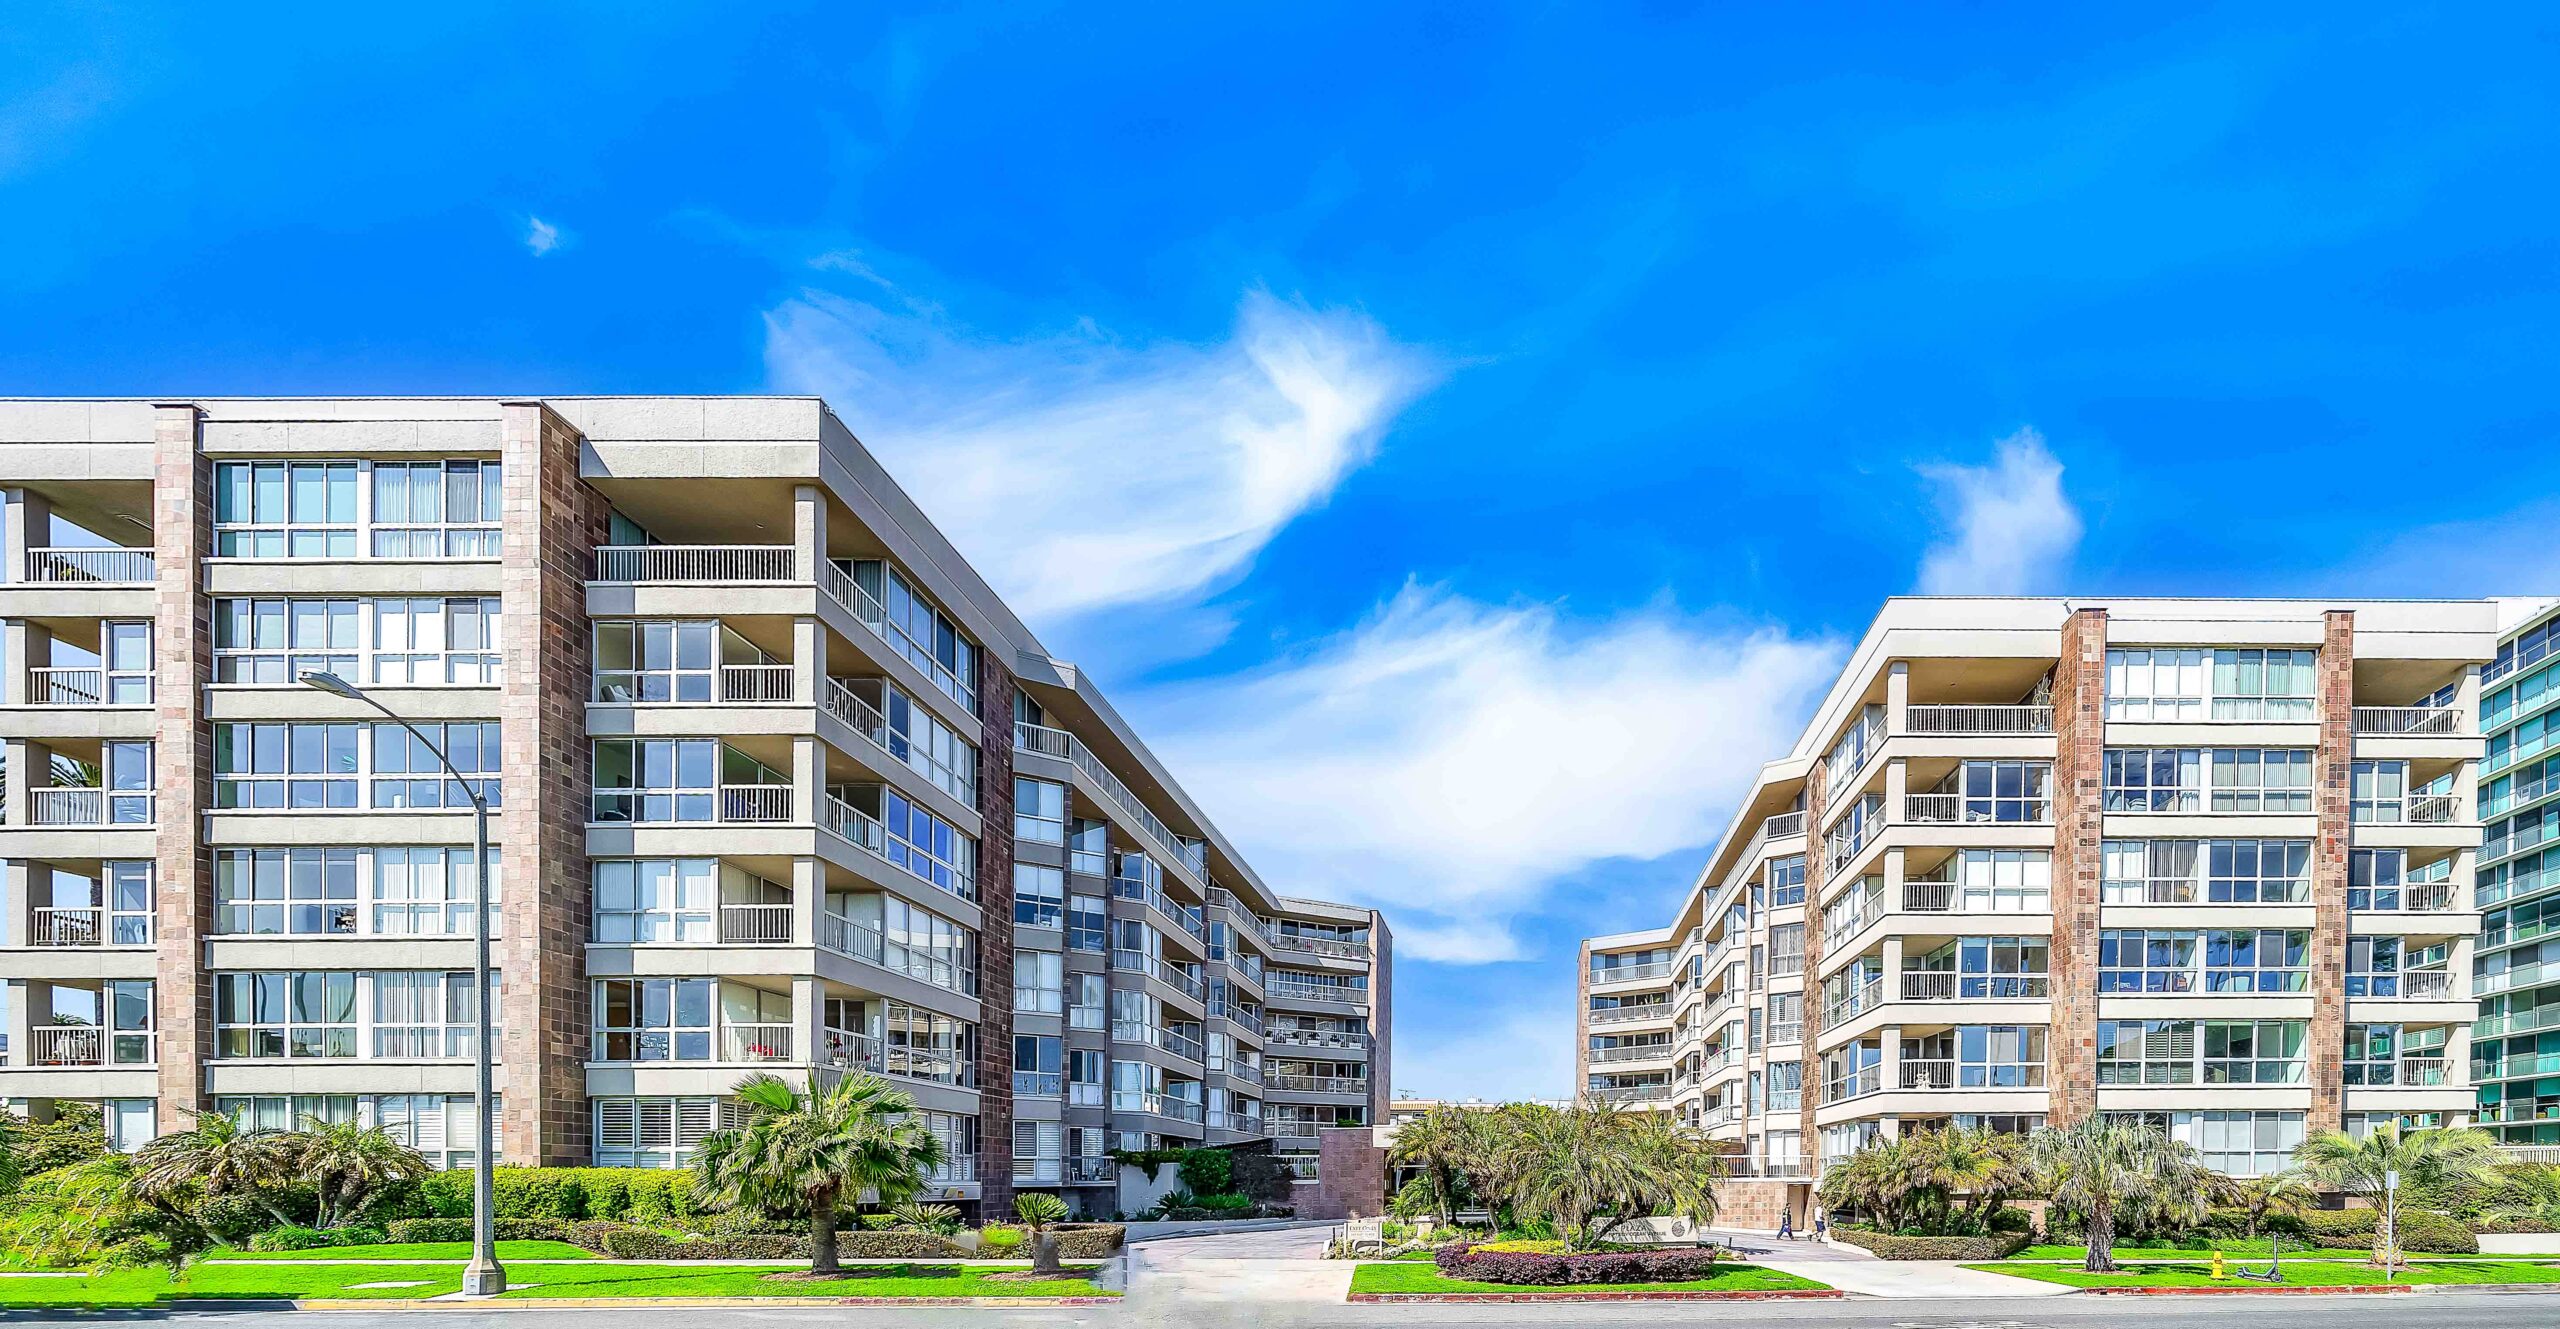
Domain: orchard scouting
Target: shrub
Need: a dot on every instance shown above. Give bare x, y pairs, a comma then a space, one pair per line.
2422, 1231
1208, 1171
2013, 1220
459, 1229
1265, 1178
1526, 1246
1089, 1241
568, 1194
293, 1237
232, 1219
1001, 1237
1895, 1246
942, 1220
1478, 1264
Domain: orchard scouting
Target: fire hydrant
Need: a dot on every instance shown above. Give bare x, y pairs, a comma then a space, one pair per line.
2217, 1264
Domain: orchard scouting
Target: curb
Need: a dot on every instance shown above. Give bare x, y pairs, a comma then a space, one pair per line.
645, 1303
1406, 1298
2341, 1290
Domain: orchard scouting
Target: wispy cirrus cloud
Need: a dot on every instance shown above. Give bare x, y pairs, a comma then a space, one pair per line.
540, 237
1081, 472
2007, 527
1453, 761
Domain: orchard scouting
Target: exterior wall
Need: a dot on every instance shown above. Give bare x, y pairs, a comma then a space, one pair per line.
2516, 1044
2079, 728
995, 939
182, 521
1352, 1177
2331, 764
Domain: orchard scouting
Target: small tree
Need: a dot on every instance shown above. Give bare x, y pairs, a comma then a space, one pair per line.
821, 1149
2437, 1160
2288, 1190
2106, 1171
1040, 1214
349, 1164
1436, 1145
219, 1157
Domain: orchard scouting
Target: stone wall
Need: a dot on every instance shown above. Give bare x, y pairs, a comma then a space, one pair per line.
2079, 772
995, 939
182, 527
2332, 766
1351, 1176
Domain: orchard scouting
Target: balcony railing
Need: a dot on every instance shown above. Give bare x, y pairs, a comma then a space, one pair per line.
1038, 1084
1988, 720
1641, 1093
1947, 985
2412, 985
1850, 1004
695, 563
754, 924
1341, 1039
1292, 990
1317, 1084
1635, 1052
755, 1042
1939, 809
1784, 824
1660, 1010
755, 682
1340, 950
86, 687
1786, 1031
863, 941
87, 925
2407, 720
1084, 1171
1154, 898
89, 1045
1062, 746
67, 806
93, 567
1857, 1084
1631, 973
1929, 897
1139, 962
1928, 1073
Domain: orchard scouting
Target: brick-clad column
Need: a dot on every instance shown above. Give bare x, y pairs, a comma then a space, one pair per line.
182, 538
2079, 761
1809, 1095
1581, 1023
2332, 766
995, 942
553, 523
1382, 1018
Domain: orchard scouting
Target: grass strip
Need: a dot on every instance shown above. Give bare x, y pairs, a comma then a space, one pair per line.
2304, 1273
888, 1280
411, 1250
269, 1281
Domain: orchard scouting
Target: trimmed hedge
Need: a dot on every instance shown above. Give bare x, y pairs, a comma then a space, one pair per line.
1089, 1241
1531, 1268
2422, 1231
569, 1194
640, 1243
459, 1229
293, 1237
1893, 1246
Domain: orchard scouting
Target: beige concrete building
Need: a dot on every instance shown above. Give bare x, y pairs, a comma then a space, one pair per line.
2207, 862
782, 785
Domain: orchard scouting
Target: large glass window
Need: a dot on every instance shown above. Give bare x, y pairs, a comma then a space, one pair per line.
681, 780
2156, 960
429, 892
2257, 960
1039, 896
426, 643
654, 1019
2152, 683
278, 641
436, 509
926, 1045
2261, 780
2258, 871
929, 639
408, 775
1088, 847
277, 509
657, 1132
2373, 878
1039, 811
1088, 924
1088, 995
928, 846
1999, 1056
2004, 791
424, 1014
287, 765
2378, 791
2255, 684
2253, 1051
1039, 982
1786, 881
285, 892
1039, 1068
928, 747
2373, 1054
686, 661
410, 643
2373, 966
270, 1016
2153, 779
2003, 881
2000, 966
2242, 1144
2146, 1051
657, 899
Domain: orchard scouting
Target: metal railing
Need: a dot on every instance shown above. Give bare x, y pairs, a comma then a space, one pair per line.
1317, 1084
1848, 1005
755, 682
2413, 985
1630, 973
90, 1045
1061, 745
1154, 898
696, 563
1928, 1073
756, 803
1087, 1171
1340, 950
66, 806
87, 925
106, 566
1660, 1010
1641, 1093
755, 923
1929, 985
1039, 1084
1294, 990
2434, 809
80, 687
2407, 720
1971, 719
863, 941
1340, 1039
1631, 1052
1929, 897
1784, 824
1139, 962
1939, 809
2425, 1072
755, 1042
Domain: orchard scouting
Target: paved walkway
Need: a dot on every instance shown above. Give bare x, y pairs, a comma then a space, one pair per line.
1860, 1273
1234, 1278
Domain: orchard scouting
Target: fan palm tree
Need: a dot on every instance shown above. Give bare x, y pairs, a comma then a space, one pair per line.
2289, 1190
1437, 1144
2106, 1170
2434, 1160
1574, 1165
822, 1149
2527, 1193
221, 1157
1040, 1214
348, 1164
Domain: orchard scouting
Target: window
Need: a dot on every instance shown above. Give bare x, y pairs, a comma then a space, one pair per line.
2242, 1144
1039, 982
1999, 1056
427, 643
2258, 871
2153, 779
2256, 960
285, 892
271, 1016
1088, 848
2261, 780
928, 846
2146, 1052
125, 649
657, 1132
424, 1014
2134, 960
1038, 1068
2373, 1054
2378, 791
1786, 880
1087, 996
653, 1019
2373, 966
928, 747
429, 892
2263, 685
444, 1127
657, 899
913, 628
2001, 966
1137, 1086
2148, 872
924, 1045
2373, 878
276, 509
278, 641
2155, 684
1088, 924
287, 765
1038, 1148
285, 1112
408, 775
682, 780
2004, 881
1086, 1070
2253, 1052
1786, 950
2004, 791
445, 509
1039, 896
926, 946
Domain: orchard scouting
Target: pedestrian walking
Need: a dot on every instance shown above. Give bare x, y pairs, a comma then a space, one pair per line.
1821, 1226
1787, 1226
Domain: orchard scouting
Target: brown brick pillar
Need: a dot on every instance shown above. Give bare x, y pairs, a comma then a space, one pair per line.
1816, 876
995, 939
553, 522
182, 538
2079, 773
2332, 766
1581, 1021
1382, 1018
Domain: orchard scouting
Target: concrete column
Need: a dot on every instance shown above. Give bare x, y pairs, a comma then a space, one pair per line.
1889, 1065
2331, 795
1895, 873
1897, 784
26, 522
808, 530
182, 661
808, 1008
25, 768
1809, 1140
17, 901
808, 897
808, 778
1897, 698
21, 999
29, 648
809, 662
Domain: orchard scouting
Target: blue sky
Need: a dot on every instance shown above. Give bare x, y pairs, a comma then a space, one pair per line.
1474, 429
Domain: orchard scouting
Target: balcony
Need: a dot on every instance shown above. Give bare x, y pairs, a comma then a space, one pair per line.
1959, 809
1636, 1052
1849, 1005
1641, 1093
1978, 720
1928, 1073
70, 806
1184, 920
1318, 1084
2411, 720
844, 1050
1082, 1171
106, 566
1782, 825
87, 687
1631, 973
81, 1045
2415, 985
2412, 1073
1946, 985
87, 925
755, 924
1660, 1010
679, 564
862, 941
755, 1042
864, 831
1138, 962
1325, 946
2416, 810
1059, 745
1338, 1039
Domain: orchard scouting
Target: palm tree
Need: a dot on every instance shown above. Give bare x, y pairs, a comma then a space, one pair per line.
2433, 1160
822, 1149
1040, 1214
1438, 1144
220, 1156
2527, 1193
2288, 1189
348, 1163
1573, 1165
2101, 1169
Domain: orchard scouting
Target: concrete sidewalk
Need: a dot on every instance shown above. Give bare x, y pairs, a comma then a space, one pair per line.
1909, 1279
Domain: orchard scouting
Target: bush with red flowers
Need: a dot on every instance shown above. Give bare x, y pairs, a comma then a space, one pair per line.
1478, 1265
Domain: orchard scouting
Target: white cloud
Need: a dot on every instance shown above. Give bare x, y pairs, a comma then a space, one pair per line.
1080, 472
2009, 527
540, 237
1452, 761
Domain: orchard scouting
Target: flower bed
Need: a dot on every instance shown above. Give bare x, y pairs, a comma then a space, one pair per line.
1892, 1246
1478, 1264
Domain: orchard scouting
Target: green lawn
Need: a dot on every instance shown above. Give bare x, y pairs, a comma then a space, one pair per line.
270, 1281
1396, 1276
2307, 1273
417, 1250
2236, 1246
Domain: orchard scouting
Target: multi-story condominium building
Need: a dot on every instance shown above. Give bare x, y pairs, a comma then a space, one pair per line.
2209, 863
2515, 1047
780, 785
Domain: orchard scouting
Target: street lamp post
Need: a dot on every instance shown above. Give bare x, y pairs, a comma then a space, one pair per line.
483, 1277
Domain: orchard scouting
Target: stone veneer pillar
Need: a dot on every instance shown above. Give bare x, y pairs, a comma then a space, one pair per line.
1581, 1024
553, 522
182, 630
995, 937
2077, 791
1382, 1018
2332, 767
1809, 1081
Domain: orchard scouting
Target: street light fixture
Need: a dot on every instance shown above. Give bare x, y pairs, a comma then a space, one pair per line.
483, 1277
